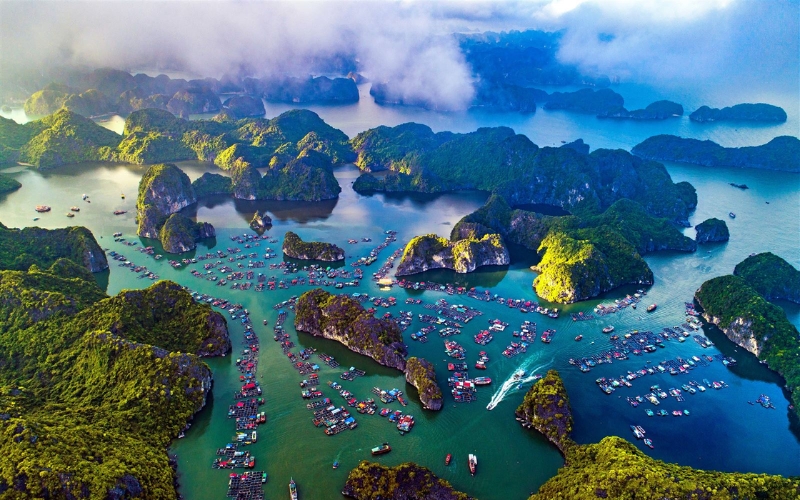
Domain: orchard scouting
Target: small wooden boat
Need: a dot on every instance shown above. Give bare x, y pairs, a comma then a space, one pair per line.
42, 208
75, 209
578, 338
473, 464
292, 489
651, 307
608, 329
70, 214
120, 212
448, 458
731, 215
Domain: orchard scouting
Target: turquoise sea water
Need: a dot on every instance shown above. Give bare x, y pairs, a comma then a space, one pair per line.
723, 432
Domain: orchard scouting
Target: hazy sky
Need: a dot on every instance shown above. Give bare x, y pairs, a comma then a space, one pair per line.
684, 42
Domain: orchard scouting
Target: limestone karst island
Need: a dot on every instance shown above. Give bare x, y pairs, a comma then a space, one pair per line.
391, 251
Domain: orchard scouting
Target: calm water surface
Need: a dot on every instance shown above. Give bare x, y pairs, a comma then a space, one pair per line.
723, 432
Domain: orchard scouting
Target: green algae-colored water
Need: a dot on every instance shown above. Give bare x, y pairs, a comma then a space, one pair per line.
723, 432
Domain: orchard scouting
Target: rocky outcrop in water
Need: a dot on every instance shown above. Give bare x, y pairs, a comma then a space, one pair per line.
343, 319
373, 481
296, 248
781, 153
740, 113
712, 231
462, 256
260, 222
180, 234
421, 374
164, 190
546, 408
659, 110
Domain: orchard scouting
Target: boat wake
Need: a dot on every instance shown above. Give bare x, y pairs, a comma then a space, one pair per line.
530, 366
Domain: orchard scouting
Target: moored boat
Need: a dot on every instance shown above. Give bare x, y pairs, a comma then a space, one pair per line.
608, 329
42, 208
473, 464
75, 209
578, 338
292, 489
648, 442
482, 380
651, 307
448, 458
382, 449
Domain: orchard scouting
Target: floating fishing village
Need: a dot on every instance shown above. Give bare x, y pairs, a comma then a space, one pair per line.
334, 408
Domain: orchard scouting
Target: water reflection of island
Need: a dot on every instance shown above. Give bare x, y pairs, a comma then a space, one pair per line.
295, 211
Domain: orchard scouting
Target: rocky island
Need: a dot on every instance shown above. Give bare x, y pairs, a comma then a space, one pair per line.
244, 106
751, 322
462, 256
546, 408
296, 248
8, 184
614, 468
781, 153
711, 231
422, 375
740, 113
260, 222
771, 276
373, 481
343, 319
659, 110
584, 256
64, 344
163, 191
500, 161
585, 101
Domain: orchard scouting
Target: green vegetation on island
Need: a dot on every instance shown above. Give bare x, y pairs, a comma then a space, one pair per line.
659, 110
180, 234
163, 190
712, 230
373, 481
8, 184
86, 408
462, 255
546, 408
296, 248
497, 160
740, 113
771, 276
22, 248
210, 184
781, 153
614, 468
755, 324
584, 256
343, 319
422, 375
59, 139
585, 101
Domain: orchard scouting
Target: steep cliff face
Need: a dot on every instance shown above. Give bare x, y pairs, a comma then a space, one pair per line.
462, 256
164, 190
755, 324
296, 248
340, 318
546, 408
421, 374
260, 222
180, 234
712, 231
